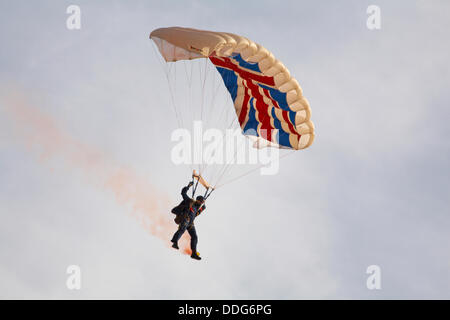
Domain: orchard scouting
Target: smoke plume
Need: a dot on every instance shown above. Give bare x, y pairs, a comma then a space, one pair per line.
46, 140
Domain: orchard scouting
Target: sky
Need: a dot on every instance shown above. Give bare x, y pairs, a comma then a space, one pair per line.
86, 176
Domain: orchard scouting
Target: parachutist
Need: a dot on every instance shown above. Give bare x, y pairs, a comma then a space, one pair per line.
186, 212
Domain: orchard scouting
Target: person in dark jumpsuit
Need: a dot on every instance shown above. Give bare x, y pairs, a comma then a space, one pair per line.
191, 210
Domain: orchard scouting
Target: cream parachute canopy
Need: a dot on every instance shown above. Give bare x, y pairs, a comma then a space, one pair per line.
268, 102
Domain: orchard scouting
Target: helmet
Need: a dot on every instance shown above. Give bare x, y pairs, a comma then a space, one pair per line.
200, 198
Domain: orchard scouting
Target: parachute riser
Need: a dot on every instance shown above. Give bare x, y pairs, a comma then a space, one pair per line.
208, 194
195, 189
208, 190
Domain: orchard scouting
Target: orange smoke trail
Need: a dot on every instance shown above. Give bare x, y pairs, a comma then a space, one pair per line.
41, 135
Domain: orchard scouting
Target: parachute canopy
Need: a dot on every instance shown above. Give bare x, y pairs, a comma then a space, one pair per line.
269, 103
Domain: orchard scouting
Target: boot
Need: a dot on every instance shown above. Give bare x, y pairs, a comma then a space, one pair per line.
195, 256
175, 245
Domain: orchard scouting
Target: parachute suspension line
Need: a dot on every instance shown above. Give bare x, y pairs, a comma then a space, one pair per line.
233, 120
159, 58
228, 164
180, 105
174, 105
189, 88
226, 170
202, 98
192, 111
189, 101
200, 92
238, 177
187, 82
229, 118
209, 80
172, 99
211, 111
251, 171
171, 76
203, 101
228, 167
206, 168
195, 188
208, 194
203, 88
216, 90
215, 86
175, 89
196, 107
224, 114
231, 111
188, 78
193, 184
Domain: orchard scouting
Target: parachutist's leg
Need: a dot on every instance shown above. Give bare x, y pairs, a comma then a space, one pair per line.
194, 238
181, 229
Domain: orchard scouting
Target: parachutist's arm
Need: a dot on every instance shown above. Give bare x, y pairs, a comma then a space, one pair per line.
184, 192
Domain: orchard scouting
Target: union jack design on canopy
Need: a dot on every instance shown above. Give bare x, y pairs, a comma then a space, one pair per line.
269, 103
